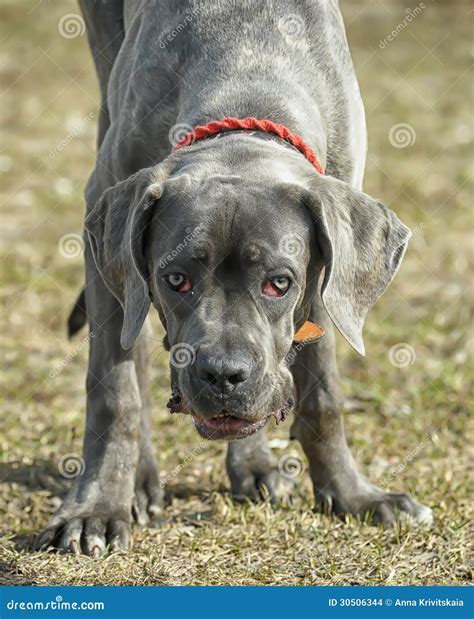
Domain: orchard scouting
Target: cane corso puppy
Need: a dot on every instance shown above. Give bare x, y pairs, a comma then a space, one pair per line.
236, 239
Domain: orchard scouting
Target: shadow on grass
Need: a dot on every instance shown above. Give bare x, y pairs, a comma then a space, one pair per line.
39, 475
9, 575
43, 475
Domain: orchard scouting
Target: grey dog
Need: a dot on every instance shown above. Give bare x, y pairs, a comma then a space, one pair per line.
265, 243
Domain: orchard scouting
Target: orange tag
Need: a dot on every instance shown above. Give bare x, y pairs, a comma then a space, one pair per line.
308, 332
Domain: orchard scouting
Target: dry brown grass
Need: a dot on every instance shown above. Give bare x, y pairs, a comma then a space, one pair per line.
410, 425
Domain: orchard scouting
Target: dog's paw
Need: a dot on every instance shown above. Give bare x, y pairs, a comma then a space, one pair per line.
78, 529
254, 473
376, 507
148, 501
257, 485
94, 515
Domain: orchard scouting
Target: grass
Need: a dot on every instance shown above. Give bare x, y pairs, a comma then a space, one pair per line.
409, 426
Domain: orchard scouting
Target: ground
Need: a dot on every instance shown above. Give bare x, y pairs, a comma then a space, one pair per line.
407, 414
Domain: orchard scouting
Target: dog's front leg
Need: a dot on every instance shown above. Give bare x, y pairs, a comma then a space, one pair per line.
97, 510
338, 486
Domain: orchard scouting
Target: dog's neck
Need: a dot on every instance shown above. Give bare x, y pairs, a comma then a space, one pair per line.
262, 128
302, 118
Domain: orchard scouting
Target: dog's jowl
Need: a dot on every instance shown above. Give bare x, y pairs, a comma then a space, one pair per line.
227, 197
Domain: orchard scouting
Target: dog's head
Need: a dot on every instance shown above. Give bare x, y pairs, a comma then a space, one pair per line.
229, 244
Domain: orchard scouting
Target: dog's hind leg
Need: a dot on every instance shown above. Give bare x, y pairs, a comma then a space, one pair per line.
338, 486
148, 492
253, 470
104, 22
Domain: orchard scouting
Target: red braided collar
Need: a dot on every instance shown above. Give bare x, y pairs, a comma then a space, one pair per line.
266, 126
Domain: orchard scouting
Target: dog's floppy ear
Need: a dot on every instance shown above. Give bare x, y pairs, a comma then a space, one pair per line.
362, 244
117, 227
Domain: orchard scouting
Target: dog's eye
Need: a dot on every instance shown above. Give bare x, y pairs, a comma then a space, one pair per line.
276, 286
178, 282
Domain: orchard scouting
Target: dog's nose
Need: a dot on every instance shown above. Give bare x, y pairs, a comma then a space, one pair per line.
222, 372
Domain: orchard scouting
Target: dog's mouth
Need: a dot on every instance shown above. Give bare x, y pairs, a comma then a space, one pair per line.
224, 425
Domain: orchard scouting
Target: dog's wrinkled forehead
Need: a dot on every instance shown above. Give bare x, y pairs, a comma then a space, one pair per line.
210, 217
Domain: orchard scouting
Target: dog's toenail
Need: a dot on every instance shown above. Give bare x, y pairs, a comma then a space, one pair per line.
74, 547
154, 511
95, 552
44, 540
